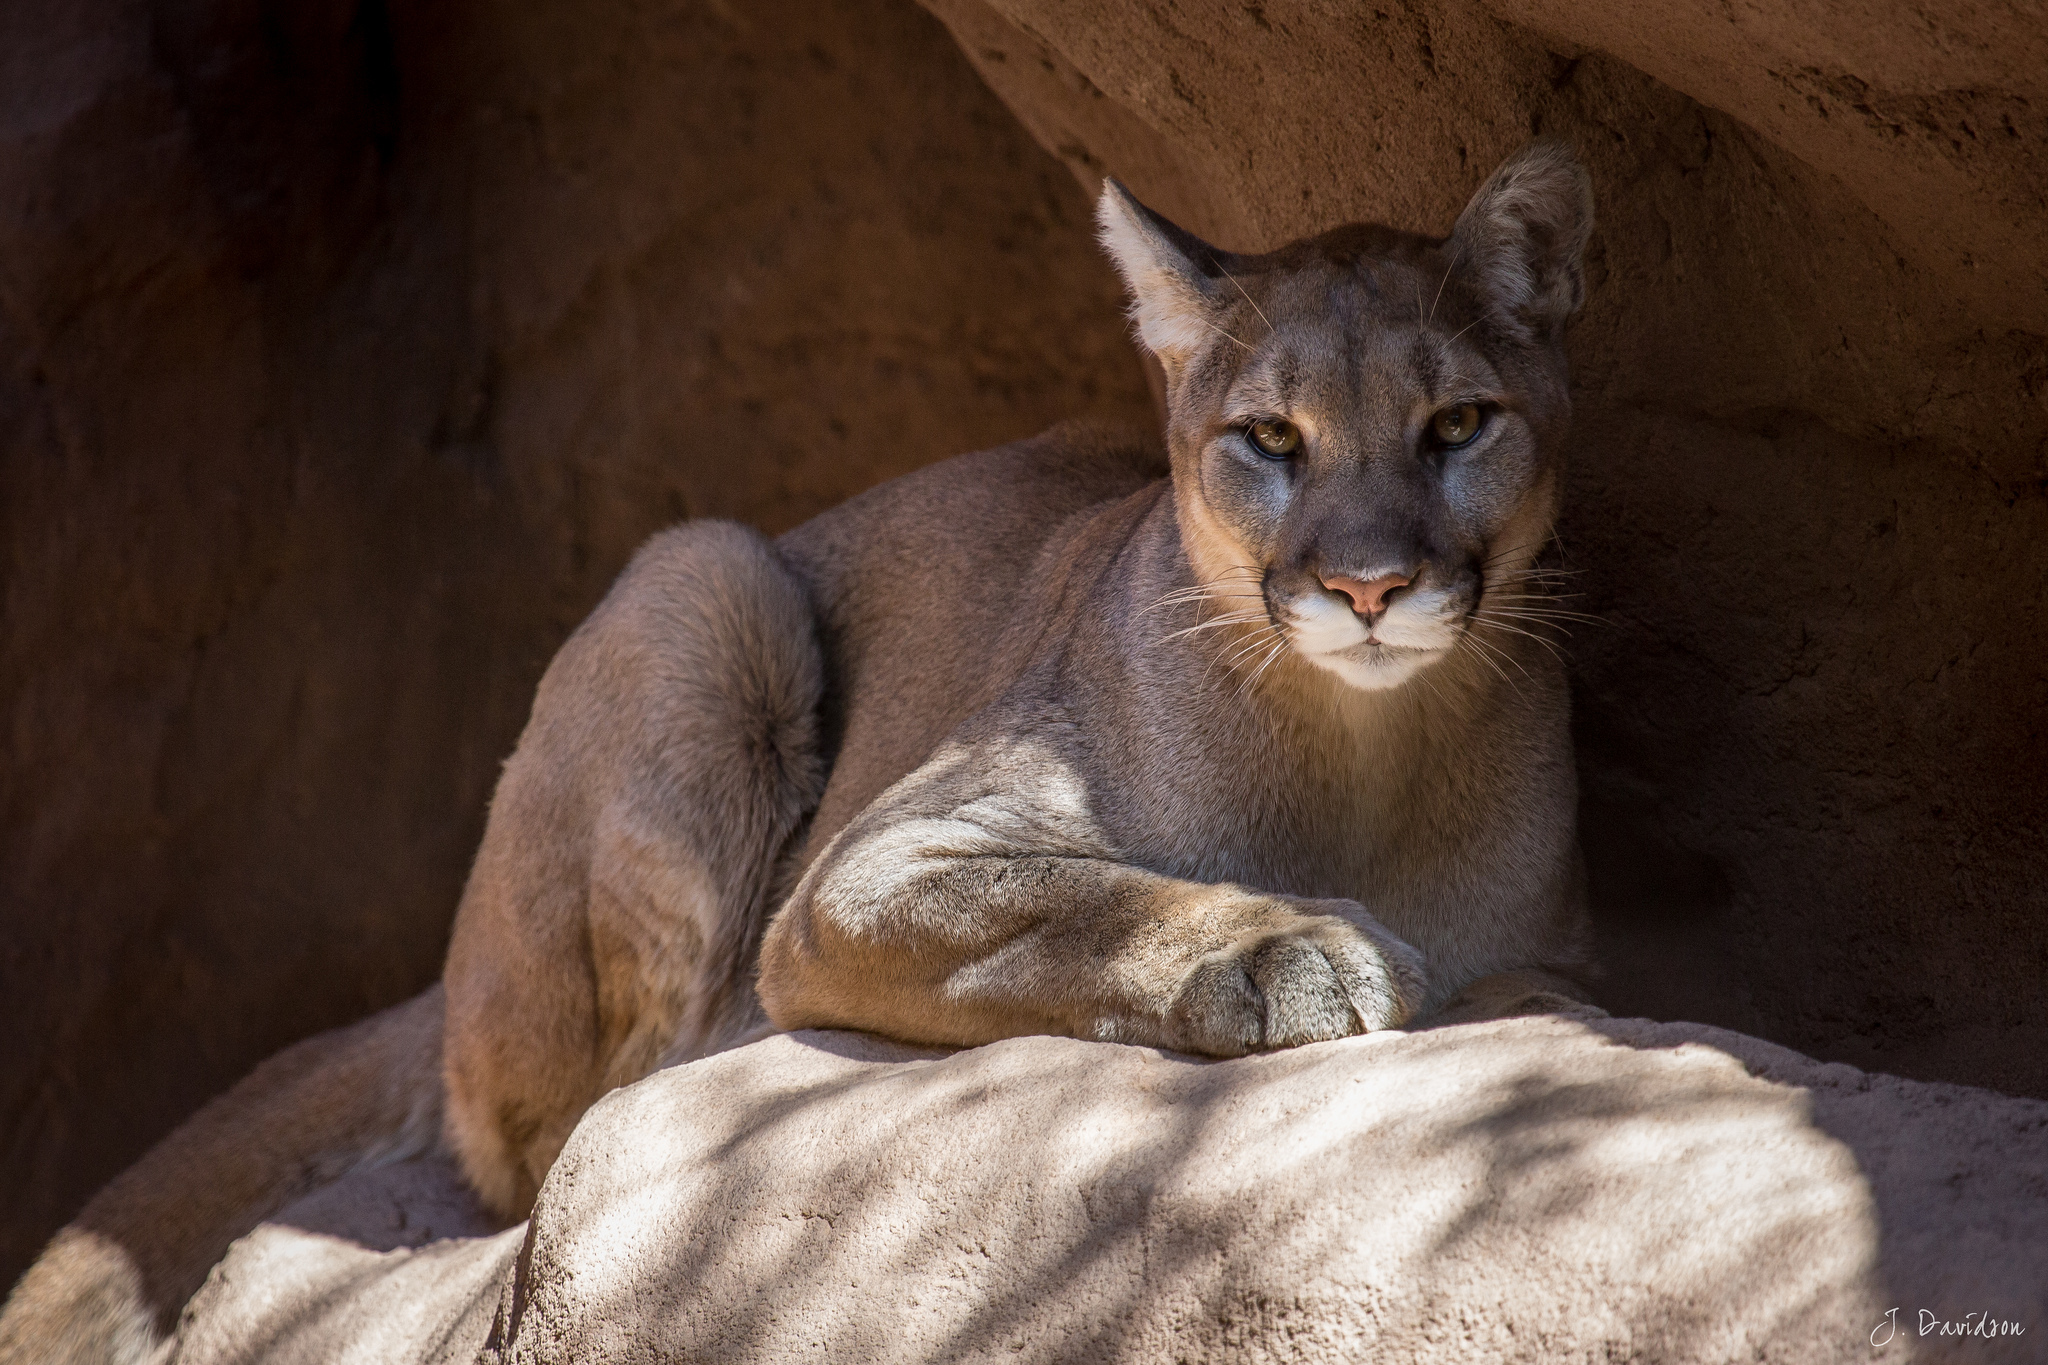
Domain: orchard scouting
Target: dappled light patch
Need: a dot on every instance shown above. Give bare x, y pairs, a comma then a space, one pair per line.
1533, 1188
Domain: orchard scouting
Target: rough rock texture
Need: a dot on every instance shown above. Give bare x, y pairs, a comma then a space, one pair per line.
386, 1266
1810, 490
346, 351
1529, 1190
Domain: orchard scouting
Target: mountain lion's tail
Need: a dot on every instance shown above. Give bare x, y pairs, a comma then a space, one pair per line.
110, 1286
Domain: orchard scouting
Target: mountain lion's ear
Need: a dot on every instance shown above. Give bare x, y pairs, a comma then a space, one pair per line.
1522, 235
1171, 298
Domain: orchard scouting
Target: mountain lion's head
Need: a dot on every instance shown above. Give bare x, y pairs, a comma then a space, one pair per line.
1365, 426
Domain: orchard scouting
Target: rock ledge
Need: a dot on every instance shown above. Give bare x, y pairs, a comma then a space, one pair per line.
1534, 1189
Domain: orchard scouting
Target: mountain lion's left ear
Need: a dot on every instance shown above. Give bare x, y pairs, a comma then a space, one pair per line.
1522, 236
1174, 301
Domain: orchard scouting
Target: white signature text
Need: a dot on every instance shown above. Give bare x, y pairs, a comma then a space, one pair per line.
1932, 1324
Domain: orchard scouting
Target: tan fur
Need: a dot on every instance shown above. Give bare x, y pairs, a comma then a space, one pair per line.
611, 921
1035, 740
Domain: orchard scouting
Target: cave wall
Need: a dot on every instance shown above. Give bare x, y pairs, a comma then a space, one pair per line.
346, 351
1809, 484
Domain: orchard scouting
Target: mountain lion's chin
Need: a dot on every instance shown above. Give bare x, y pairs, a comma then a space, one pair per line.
1373, 667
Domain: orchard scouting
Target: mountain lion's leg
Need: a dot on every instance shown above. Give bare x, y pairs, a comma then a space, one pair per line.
613, 917
977, 900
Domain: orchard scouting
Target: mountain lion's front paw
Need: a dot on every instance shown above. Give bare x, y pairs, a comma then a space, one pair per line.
1308, 978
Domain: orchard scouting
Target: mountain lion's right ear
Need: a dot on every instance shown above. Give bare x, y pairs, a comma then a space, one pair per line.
1522, 235
1172, 300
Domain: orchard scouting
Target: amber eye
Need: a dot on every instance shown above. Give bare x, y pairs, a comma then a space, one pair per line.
1455, 426
1273, 439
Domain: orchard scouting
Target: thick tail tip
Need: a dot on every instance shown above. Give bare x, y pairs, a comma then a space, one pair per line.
81, 1303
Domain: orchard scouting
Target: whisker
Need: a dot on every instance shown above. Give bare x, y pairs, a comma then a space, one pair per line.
1249, 647
1202, 589
1502, 625
1248, 570
1491, 650
1172, 599
1206, 597
1218, 330
1527, 611
1512, 575
1272, 657
1487, 661
1256, 663
1248, 299
1498, 555
1533, 595
1246, 650
1235, 618
1251, 639
1505, 655
1244, 659
1441, 283
1538, 605
1429, 682
1213, 590
1506, 624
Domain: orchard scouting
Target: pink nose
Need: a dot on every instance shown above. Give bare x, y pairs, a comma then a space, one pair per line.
1368, 599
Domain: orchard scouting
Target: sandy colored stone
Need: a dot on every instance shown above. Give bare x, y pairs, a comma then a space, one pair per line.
287, 1297
1531, 1190
395, 1264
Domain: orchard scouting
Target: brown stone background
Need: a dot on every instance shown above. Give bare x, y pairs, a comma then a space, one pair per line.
347, 347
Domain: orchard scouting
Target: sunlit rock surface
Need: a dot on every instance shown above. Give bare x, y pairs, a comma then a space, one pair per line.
1530, 1190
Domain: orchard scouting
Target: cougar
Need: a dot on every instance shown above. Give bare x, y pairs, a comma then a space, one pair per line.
1248, 746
